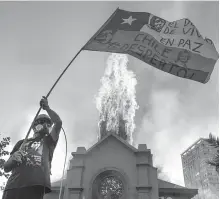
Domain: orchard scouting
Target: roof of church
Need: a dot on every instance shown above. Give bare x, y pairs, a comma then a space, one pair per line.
115, 136
82, 150
165, 184
168, 188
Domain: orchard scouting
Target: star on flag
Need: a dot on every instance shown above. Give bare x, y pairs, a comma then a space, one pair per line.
128, 20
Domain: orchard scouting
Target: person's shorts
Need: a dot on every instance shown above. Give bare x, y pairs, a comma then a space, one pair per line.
34, 192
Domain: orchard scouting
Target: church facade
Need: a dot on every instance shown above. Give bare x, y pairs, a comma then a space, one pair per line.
114, 169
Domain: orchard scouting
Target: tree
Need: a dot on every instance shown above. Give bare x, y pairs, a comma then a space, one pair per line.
214, 142
3, 152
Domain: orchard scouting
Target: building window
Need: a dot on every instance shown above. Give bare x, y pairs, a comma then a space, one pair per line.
109, 184
111, 187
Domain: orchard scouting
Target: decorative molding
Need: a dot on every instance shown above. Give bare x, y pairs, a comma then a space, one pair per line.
144, 188
75, 189
177, 192
144, 164
74, 154
143, 151
77, 166
56, 189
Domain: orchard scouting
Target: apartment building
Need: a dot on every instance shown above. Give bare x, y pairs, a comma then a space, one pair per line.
197, 173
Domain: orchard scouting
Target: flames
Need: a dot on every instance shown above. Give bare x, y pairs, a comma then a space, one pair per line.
116, 100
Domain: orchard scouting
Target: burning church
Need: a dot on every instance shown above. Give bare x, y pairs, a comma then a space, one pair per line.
113, 168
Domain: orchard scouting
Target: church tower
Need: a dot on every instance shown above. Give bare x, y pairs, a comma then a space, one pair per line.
121, 130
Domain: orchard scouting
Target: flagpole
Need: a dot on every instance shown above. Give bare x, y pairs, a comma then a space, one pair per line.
29, 130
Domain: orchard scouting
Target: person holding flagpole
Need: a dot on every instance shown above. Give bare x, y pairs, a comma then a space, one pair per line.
30, 162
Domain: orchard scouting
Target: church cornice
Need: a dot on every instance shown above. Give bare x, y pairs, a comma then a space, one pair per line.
147, 151
144, 188
118, 138
75, 189
145, 164
56, 189
178, 192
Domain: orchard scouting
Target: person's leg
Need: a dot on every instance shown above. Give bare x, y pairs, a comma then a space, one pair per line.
34, 192
11, 194
39, 192
24, 193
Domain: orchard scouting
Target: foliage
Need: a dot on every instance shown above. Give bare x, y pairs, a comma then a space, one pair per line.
3, 152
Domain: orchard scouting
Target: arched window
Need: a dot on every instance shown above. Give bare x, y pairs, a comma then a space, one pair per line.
109, 184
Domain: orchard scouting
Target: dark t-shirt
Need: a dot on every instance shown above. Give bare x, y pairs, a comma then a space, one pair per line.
36, 165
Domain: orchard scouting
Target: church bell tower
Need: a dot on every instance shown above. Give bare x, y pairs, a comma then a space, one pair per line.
121, 131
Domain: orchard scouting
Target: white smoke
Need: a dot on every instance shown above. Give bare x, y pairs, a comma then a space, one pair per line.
116, 98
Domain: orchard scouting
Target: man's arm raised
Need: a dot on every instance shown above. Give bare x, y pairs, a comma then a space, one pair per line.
54, 117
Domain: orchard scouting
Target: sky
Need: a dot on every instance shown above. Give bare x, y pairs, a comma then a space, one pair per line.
38, 40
